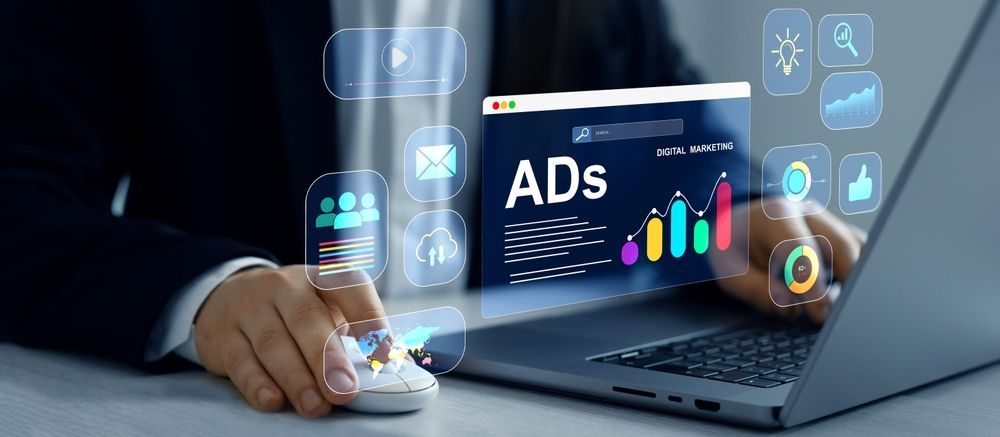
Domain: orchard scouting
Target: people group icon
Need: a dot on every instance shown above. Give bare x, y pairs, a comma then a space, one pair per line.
347, 218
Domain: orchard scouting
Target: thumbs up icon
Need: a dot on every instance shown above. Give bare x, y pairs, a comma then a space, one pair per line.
861, 188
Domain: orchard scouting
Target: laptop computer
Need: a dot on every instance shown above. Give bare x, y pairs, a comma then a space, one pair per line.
919, 306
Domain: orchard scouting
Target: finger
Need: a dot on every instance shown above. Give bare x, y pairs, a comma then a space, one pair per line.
753, 288
311, 324
362, 308
358, 302
842, 239
279, 354
859, 234
241, 365
818, 311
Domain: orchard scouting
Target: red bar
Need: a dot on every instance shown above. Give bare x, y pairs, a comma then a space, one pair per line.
723, 216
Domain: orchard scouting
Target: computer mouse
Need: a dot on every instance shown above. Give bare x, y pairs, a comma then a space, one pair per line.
391, 390
394, 391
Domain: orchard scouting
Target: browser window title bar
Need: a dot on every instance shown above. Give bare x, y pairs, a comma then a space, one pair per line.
614, 97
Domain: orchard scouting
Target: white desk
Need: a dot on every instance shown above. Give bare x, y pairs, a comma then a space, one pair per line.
47, 393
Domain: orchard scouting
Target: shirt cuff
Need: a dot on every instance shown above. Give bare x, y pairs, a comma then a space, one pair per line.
174, 331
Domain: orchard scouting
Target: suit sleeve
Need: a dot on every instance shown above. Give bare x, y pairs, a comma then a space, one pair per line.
76, 277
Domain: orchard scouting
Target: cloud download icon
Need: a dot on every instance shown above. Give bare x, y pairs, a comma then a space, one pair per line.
434, 248
860, 183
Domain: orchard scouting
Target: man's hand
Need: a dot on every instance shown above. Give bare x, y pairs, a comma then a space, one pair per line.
765, 234
267, 330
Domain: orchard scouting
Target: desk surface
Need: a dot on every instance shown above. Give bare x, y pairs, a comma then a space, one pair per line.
47, 393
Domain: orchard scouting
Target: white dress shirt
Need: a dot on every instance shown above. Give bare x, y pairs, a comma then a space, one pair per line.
174, 332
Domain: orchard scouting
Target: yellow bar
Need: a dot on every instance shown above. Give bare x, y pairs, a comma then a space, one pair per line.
346, 246
654, 239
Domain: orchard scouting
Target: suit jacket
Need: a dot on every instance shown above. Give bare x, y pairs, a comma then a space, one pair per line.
218, 112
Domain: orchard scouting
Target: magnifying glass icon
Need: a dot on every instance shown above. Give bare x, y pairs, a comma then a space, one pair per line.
843, 37
584, 133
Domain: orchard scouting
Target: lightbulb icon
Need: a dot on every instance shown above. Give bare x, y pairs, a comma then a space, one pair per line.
786, 51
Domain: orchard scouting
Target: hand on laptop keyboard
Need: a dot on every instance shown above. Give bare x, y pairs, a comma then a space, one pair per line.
766, 233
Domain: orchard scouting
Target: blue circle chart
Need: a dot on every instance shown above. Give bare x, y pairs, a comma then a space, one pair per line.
796, 181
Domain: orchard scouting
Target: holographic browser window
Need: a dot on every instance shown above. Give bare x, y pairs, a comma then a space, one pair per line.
595, 194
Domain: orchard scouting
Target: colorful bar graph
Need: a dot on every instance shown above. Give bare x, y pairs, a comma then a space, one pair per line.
723, 216
654, 239
700, 237
678, 228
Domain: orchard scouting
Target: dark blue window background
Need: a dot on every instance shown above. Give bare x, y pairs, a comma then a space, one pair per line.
637, 181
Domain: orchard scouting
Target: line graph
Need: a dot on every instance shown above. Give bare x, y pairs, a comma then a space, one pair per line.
851, 100
677, 208
862, 102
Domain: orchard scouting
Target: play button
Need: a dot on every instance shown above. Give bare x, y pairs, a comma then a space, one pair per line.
397, 57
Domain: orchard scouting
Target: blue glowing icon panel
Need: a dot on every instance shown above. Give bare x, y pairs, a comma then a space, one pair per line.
346, 234
787, 51
394, 62
845, 40
798, 174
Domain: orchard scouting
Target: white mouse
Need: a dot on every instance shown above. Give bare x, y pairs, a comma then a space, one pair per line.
390, 391
415, 389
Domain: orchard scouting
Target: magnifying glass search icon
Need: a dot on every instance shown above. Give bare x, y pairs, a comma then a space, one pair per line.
584, 133
843, 37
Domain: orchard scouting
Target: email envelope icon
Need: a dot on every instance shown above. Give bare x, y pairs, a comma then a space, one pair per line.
436, 162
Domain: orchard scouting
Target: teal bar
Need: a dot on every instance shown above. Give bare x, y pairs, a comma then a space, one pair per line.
701, 237
678, 228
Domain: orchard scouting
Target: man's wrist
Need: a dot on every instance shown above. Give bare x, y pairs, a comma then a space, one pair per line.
174, 330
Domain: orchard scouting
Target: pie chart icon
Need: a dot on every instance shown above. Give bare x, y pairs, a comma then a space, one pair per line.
796, 181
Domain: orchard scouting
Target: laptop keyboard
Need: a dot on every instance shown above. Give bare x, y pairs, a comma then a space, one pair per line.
760, 357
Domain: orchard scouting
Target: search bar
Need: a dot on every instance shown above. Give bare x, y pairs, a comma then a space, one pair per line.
627, 131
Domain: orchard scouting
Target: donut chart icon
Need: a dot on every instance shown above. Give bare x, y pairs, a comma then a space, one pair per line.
801, 269
796, 181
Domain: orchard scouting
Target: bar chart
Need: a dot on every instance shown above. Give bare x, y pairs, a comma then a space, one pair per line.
677, 235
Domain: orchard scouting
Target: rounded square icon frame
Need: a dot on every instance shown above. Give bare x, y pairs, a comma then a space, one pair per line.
820, 58
465, 68
881, 102
763, 181
465, 343
465, 248
881, 179
306, 267
465, 163
763, 65
770, 278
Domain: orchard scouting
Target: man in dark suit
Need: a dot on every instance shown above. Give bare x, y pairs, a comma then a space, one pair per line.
217, 114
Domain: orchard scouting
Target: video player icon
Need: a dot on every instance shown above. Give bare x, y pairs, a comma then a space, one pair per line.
397, 57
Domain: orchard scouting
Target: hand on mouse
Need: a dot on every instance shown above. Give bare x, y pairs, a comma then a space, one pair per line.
765, 234
267, 329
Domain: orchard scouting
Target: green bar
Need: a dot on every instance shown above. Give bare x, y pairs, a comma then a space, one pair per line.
701, 236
